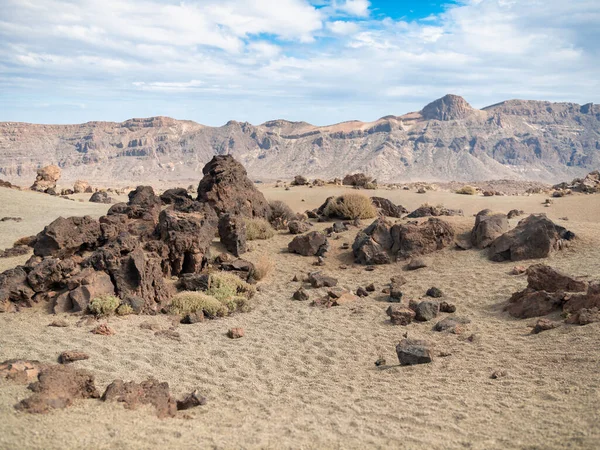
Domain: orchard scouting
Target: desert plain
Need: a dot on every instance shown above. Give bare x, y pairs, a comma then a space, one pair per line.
305, 376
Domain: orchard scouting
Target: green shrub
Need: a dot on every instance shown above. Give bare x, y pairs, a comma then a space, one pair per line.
224, 286
467, 190
187, 302
124, 310
104, 305
351, 206
258, 229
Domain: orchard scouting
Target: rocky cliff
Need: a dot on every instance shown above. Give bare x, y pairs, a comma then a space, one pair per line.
447, 140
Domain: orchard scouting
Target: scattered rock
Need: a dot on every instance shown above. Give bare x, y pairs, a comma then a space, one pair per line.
434, 292
413, 351
301, 295
72, 356
518, 270
370, 288
400, 315
104, 330
380, 362
235, 333
542, 277
100, 197
192, 318
190, 401
299, 226
446, 307
427, 310
318, 280
514, 213
57, 387
20, 371
543, 325
361, 292
59, 323
310, 244
149, 392
496, 374
387, 208
169, 334
13, 219
416, 263
534, 237
452, 324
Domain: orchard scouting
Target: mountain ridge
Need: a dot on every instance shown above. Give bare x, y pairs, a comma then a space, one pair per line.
447, 140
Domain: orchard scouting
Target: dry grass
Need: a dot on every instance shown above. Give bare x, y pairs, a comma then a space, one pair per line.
281, 214
263, 267
223, 286
258, 229
467, 190
351, 206
187, 302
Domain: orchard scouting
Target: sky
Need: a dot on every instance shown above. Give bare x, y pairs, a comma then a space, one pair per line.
320, 61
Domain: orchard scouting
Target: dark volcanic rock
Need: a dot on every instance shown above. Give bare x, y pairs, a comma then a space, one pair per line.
310, 244
299, 226
415, 240
227, 189
413, 351
427, 310
400, 315
232, 232
65, 237
175, 195
387, 208
544, 278
488, 227
534, 237
100, 197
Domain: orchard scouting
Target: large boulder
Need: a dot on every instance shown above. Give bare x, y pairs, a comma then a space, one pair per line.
65, 237
415, 240
414, 351
46, 178
358, 180
232, 232
14, 287
227, 188
534, 237
188, 237
81, 187
387, 208
488, 227
545, 278
310, 244
101, 197
372, 245
144, 197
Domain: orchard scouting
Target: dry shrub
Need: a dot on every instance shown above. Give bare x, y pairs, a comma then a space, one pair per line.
262, 267
187, 302
351, 206
281, 214
258, 229
467, 190
223, 285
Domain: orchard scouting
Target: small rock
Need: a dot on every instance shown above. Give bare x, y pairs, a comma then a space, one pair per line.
301, 295
152, 326
380, 362
370, 268
543, 325
434, 292
416, 263
345, 246
451, 324
343, 267
446, 307
104, 330
361, 292
498, 374
395, 293
413, 351
235, 333
295, 278
370, 288
400, 315
320, 261
72, 356
169, 334
190, 401
59, 323
427, 310
336, 292
192, 318
318, 280
518, 270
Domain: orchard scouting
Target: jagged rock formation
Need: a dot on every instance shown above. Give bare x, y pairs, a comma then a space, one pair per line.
447, 140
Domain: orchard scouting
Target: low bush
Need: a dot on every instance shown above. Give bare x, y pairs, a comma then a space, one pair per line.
351, 206
104, 305
281, 214
187, 302
262, 268
258, 229
222, 286
467, 190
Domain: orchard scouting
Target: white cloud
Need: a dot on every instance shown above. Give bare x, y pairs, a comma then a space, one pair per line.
289, 57
342, 27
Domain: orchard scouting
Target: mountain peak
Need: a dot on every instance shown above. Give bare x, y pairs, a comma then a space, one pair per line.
449, 107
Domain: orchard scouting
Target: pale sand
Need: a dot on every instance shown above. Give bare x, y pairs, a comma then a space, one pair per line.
304, 377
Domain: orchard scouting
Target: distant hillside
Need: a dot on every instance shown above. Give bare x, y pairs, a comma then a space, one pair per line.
446, 140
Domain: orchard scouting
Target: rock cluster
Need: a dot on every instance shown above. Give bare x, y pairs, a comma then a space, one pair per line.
550, 290
382, 241
46, 179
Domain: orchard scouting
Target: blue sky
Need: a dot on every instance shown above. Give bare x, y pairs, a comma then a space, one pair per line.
322, 61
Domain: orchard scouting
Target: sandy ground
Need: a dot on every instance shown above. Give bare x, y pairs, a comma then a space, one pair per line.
304, 377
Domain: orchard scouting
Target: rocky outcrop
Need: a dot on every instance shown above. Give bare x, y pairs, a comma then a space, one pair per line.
449, 107
227, 189
150, 392
433, 211
488, 227
46, 178
534, 237
65, 237
232, 232
387, 208
382, 241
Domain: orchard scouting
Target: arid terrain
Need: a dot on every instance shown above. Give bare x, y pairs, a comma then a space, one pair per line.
305, 376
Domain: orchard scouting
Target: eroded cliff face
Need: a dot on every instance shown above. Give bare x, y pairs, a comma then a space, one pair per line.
447, 140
